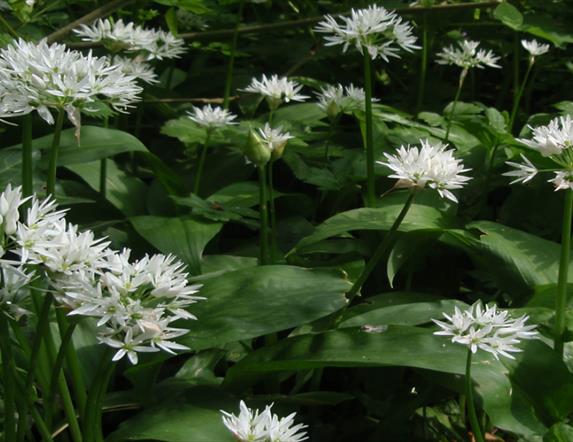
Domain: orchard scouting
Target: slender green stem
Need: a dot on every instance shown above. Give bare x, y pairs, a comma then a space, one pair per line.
370, 182
41, 425
9, 28
476, 429
383, 247
27, 161
561, 299
231, 65
463, 75
72, 360
264, 234
331, 129
54, 151
517, 99
92, 425
272, 212
103, 168
69, 409
201, 163
9, 380
423, 63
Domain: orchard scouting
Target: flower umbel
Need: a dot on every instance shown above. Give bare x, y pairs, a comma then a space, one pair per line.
534, 47
276, 90
255, 426
486, 328
335, 99
467, 56
211, 117
379, 32
430, 165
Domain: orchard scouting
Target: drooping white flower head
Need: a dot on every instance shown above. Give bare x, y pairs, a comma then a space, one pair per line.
335, 99
134, 67
43, 77
430, 165
467, 56
254, 426
118, 36
379, 32
534, 47
211, 117
488, 329
523, 172
276, 90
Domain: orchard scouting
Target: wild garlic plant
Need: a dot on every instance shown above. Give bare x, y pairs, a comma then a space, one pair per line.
534, 49
554, 142
376, 33
134, 303
50, 78
466, 56
431, 165
488, 329
209, 118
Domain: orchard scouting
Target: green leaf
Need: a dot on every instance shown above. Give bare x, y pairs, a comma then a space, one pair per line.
509, 15
124, 192
419, 217
257, 301
185, 238
395, 346
560, 432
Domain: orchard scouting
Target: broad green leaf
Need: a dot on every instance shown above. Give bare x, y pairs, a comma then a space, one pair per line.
395, 346
252, 302
419, 217
190, 416
560, 432
398, 308
509, 15
184, 237
124, 192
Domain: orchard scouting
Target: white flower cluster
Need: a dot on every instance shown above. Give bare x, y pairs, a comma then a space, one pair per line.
134, 302
534, 47
135, 68
273, 139
430, 165
276, 90
488, 329
336, 99
43, 77
117, 36
211, 117
254, 426
554, 141
467, 56
379, 32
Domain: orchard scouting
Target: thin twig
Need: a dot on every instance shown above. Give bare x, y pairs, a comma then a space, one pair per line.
88, 18
189, 100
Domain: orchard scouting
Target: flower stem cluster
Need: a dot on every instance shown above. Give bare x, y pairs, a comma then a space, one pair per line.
254, 426
134, 302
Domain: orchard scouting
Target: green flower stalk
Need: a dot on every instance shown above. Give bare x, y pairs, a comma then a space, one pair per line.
534, 48
231, 64
376, 33
488, 329
466, 56
554, 142
432, 166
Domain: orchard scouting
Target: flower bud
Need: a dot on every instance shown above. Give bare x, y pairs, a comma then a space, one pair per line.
278, 149
256, 150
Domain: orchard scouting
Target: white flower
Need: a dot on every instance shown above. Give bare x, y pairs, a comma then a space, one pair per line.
488, 329
534, 47
430, 165
10, 202
14, 289
211, 117
274, 139
375, 29
253, 426
336, 99
523, 172
42, 77
563, 180
117, 36
135, 68
467, 56
553, 139
249, 425
276, 90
